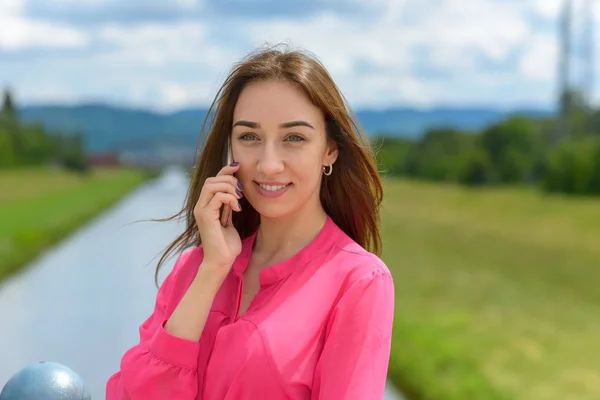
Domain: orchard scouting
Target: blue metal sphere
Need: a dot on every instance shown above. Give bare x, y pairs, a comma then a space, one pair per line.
47, 381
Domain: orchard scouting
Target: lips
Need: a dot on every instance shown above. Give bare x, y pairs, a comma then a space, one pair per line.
272, 189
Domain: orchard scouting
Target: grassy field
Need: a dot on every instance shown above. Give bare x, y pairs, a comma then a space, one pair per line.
38, 207
497, 292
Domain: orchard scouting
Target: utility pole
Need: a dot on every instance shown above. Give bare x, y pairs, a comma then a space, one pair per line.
588, 63
564, 69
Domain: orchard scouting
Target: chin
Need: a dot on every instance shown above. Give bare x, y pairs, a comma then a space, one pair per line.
273, 211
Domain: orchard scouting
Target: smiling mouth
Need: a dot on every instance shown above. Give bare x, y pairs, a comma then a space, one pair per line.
273, 188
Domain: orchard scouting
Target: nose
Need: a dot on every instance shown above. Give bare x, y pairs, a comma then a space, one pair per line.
270, 162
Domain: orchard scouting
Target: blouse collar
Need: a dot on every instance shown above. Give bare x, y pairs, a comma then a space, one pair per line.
283, 269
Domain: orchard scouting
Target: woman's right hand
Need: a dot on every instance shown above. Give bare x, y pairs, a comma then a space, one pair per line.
221, 244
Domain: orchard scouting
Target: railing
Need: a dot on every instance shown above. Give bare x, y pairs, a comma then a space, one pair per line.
45, 381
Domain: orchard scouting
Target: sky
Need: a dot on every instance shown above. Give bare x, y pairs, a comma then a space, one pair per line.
172, 54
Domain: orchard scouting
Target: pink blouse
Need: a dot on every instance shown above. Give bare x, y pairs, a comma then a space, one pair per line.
319, 328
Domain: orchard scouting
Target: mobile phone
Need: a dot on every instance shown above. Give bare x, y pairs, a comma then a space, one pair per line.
226, 207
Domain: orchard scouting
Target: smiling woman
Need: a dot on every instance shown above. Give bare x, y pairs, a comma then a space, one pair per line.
286, 297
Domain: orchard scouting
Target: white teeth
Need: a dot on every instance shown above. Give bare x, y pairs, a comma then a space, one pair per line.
272, 188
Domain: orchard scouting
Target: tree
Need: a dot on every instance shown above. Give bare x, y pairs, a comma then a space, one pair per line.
392, 154
7, 150
475, 167
8, 107
573, 166
513, 147
73, 153
439, 155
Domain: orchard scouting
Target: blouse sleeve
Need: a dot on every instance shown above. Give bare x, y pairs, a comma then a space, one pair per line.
160, 366
354, 362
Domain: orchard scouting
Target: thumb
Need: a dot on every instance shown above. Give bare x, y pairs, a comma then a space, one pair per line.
230, 218
225, 215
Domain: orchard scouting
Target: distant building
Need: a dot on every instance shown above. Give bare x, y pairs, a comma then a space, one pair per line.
104, 160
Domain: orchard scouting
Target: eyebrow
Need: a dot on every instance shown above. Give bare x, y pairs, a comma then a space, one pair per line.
285, 125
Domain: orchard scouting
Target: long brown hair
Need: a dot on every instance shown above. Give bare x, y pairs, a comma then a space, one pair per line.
351, 196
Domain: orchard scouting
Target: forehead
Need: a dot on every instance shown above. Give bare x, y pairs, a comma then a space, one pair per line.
275, 102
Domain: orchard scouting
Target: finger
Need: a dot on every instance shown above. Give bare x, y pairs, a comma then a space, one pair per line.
226, 215
224, 178
230, 218
220, 199
229, 169
211, 189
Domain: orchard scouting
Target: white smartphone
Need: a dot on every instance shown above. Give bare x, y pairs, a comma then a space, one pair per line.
226, 207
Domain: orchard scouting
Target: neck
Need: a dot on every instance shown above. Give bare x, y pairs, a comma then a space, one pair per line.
280, 238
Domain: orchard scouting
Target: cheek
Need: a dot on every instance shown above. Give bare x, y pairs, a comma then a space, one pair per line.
309, 172
242, 174
246, 164
307, 163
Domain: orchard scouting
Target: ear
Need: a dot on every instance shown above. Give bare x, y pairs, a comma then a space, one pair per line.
331, 153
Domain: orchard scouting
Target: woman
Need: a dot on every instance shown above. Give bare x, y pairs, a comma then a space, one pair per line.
284, 301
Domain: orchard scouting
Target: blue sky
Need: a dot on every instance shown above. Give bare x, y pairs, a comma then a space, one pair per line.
172, 54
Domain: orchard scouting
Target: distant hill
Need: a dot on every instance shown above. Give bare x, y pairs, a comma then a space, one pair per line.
107, 128
407, 122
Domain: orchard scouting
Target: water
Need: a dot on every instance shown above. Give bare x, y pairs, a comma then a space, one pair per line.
80, 304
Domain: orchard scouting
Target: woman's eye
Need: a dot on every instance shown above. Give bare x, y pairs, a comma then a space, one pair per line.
247, 136
295, 138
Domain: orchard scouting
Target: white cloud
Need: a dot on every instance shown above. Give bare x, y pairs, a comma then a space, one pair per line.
552, 9
375, 91
540, 59
11, 7
548, 8
491, 27
452, 36
177, 94
74, 3
164, 46
18, 32
156, 45
188, 4
452, 59
46, 90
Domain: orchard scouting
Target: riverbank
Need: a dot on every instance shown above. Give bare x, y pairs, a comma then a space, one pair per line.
496, 292
40, 206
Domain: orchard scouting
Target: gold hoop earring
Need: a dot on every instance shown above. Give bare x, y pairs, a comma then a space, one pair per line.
330, 169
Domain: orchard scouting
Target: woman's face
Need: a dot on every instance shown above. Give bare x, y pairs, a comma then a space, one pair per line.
279, 139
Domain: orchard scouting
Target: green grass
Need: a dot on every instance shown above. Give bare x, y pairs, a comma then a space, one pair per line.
38, 207
497, 292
